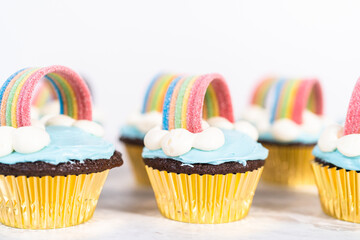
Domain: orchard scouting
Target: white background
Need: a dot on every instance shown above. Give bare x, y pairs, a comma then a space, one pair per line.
120, 45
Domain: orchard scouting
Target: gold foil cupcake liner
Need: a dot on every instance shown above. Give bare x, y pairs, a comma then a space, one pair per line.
339, 192
137, 164
49, 202
204, 198
288, 165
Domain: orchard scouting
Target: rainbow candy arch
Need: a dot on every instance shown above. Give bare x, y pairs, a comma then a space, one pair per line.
189, 99
352, 122
17, 91
155, 94
292, 97
262, 91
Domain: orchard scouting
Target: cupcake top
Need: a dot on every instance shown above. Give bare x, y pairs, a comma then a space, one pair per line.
287, 111
339, 145
70, 135
186, 137
138, 124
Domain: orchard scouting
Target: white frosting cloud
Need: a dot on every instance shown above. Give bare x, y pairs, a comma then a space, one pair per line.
179, 141
37, 123
153, 138
332, 138
90, 127
210, 139
312, 123
45, 118
34, 138
23, 140
329, 138
220, 122
241, 126
349, 145
247, 128
257, 116
285, 130
204, 124
145, 122
29, 139
86, 125
6, 139
50, 108
60, 120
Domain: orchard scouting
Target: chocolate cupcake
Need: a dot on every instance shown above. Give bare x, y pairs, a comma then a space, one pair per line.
133, 133
51, 176
337, 165
202, 174
288, 115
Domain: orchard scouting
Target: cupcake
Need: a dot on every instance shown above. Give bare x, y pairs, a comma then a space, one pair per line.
288, 115
337, 165
50, 176
138, 124
201, 173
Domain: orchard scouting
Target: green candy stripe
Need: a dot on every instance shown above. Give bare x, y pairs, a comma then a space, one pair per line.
9, 102
179, 102
66, 90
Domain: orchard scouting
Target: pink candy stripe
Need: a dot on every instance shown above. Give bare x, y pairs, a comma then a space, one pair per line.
302, 99
352, 122
81, 91
197, 96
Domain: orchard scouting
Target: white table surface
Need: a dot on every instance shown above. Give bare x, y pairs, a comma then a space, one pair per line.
127, 212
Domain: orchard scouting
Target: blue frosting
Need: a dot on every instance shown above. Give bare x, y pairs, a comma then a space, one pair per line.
238, 147
304, 138
131, 132
338, 159
66, 143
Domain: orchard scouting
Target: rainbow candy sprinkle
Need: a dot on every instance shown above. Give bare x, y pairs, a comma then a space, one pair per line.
17, 91
189, 99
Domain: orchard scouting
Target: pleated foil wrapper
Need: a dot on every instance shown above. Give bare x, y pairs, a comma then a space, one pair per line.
49, 202
137, 164
339, 192
205, 198
289, 165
